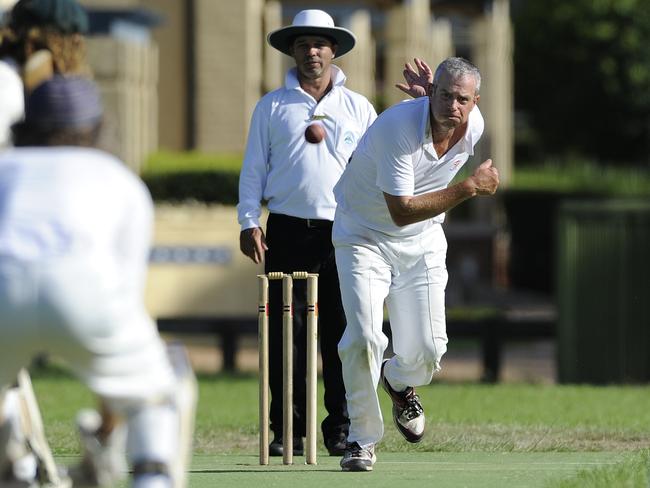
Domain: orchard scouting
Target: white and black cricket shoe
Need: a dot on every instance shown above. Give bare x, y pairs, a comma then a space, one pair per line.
103, 462
357, 458
408, 413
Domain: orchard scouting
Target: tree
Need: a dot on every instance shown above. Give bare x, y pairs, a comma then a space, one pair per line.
582, 75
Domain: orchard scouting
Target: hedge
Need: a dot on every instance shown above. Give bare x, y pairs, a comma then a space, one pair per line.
214, 178
584, 177
179, 177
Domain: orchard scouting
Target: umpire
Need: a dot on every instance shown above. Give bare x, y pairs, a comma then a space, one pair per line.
296, 178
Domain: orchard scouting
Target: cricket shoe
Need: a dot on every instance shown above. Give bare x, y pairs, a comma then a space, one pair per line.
336, 443
25, 457
103, 463
20, 468
19, 473
357, 458
408, 413
18, 465
276, 448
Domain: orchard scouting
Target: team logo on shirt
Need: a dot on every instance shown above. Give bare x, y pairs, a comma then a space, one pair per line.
349, 138
455, 164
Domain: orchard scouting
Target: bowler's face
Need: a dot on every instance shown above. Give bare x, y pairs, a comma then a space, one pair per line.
452, 99
313, 55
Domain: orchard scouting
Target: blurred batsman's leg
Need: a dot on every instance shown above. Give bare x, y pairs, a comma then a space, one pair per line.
156, 433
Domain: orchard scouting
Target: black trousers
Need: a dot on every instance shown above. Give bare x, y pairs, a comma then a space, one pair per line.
305, 245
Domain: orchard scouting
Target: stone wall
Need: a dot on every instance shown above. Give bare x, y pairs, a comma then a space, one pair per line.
127, 75
197, 269
228, 48
224, 46
359, 64
173, 80
493, 48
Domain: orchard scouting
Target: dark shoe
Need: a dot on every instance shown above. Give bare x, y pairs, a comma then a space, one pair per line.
357, 458
276, 448
408, 414
336, 444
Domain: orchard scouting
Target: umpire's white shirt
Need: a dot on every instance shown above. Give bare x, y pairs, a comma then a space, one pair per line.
295, 177
398, 157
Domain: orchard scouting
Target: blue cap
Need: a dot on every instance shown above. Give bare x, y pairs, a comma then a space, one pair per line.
64, 102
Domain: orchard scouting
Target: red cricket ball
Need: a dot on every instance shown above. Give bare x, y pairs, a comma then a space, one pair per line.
315, 133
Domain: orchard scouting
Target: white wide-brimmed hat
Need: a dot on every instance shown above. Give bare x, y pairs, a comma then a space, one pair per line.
312, 22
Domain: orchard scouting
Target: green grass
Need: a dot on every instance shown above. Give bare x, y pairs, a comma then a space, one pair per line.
631, 472
413, 469
505, 435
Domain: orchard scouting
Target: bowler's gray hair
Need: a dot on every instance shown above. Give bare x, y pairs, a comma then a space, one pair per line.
458, 68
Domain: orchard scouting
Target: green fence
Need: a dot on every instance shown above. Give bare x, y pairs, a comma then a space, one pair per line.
603, 291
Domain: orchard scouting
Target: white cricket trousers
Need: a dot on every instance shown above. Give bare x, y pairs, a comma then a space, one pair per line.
89, 314
409, 275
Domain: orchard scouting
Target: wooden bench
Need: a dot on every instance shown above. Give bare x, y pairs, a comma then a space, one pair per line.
228, 331
492, 330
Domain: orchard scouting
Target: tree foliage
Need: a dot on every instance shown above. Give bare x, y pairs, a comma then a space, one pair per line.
582, 75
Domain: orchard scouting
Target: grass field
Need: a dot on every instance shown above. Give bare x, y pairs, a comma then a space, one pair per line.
509, 435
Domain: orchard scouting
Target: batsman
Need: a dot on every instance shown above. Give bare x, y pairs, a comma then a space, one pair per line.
75, 229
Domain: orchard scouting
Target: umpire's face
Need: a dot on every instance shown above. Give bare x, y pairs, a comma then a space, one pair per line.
313, 56
452, 99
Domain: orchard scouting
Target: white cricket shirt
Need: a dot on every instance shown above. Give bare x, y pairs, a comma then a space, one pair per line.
292, 175
67, 202
396, 156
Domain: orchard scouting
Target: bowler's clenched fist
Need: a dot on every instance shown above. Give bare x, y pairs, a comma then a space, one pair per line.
486, 178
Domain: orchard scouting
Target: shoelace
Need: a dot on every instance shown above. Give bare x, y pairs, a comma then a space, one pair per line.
414, 408
355, 449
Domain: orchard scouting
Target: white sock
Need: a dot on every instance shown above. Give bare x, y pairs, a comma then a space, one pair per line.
153, 434
152, 481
